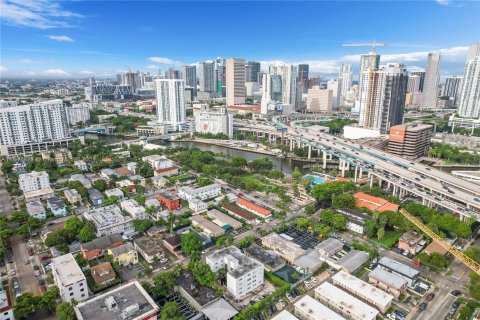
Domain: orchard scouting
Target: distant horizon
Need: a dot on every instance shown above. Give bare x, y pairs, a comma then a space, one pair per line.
77, 39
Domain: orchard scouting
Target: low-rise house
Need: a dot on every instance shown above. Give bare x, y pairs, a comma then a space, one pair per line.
243, 273
202, 193
57, 207
412, 242
159, 181
124, 254
96, 197
72, 196
285, 248
135, 210
60, 156
36, 210
126, 184
152, 203
222, 220
308, 308
109, 220
350, 262
166, 172
198, 296
108, 173
390, 282
309, 262
329, 247
270, 261
172, 243
129, 302
219, 310
170, 200
239, 213
69, 278
82, 179
115, 192
99, 246
132, 167
253, 208
197, 205
209, 228
158, 162
103, 273
356, 220
37, 195
123, 171
81, 165
149, 248
137, 179
374, 203
406, 272
361, 289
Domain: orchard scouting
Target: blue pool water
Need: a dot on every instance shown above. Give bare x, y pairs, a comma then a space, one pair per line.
316, 180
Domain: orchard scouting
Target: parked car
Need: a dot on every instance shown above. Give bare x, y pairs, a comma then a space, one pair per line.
289, 296
455, 293
430, 296
282, 303
314, 280
422, 306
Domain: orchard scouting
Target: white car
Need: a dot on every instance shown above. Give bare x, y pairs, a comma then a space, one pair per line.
163, 260
282, 303
289, 296
391, 316
314, 280
307, 284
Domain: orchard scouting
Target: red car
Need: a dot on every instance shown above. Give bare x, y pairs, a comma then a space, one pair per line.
43, 288
30, 251
430, 296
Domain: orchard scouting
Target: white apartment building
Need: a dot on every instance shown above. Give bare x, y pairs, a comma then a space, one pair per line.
69, 278
135, 210
33, 127
79, 112
215, 122
336, 86
6, 309
197, 205
33, 181
344, 304
81, 165
469, 105
308, 308
158, 162
109, 220
346, 76
202, 193
288, 74
363, 290
243, 274
319, 99
170, 102
235, 81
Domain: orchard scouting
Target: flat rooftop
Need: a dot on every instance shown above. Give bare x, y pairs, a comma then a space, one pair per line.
362, 288
201, 294
128, 302
66, 269
244, 263
330, 246
314, 308
391, 279
266, 257
283, 245
399, 267
337, 297
284, 315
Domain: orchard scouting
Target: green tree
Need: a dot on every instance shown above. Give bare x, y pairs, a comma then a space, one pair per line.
325, 191
110, 200
142, 225
140, 199
87, 233
434, 261
203, 274
296, 174
224, 241
65, 311
191, 245
170, 311
344, 200
380, 233
100, 185
80, 259
202, 182
7, 166
26, 304
49, 299
473, 253
474, 285
247, 241
310, 209
163, 283
73, 224
302, 222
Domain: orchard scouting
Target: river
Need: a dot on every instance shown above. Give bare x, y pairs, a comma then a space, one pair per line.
284, 165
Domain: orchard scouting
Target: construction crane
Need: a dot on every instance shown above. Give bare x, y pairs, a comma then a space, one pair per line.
472, 264
368, 122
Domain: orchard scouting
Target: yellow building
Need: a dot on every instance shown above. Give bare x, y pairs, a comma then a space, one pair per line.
124, 254
60, 156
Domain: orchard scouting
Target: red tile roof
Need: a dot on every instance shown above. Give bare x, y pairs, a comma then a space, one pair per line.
166, 169
374, 203
254, 207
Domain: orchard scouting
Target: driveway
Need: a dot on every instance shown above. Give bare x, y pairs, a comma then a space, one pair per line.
26, 277
5, 200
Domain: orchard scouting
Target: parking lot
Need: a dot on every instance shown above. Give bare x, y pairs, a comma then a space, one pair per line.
303, 239
187, 310
128, 273
238, 231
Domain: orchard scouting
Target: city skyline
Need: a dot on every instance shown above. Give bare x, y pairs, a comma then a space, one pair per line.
66, 40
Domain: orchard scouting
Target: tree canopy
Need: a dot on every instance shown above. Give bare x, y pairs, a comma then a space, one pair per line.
325, 191
191, 244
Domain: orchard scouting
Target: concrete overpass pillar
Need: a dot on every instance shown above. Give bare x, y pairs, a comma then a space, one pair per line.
324, 160
360, 174
394, 190
371, 181
291, 144
309, 151
355, 175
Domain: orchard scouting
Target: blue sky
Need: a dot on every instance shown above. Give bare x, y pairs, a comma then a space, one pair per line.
42, 38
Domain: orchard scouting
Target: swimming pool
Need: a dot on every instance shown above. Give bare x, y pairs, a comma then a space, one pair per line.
316, 179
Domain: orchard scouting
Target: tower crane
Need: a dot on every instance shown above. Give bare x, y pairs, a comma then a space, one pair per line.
373, 45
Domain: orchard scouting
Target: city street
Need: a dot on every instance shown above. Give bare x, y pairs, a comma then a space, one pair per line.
24, 272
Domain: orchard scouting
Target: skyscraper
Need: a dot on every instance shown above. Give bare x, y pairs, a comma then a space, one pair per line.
365, 61
132, 79
413, 84
170, 102
303, 70
469, 104
473, 51
220, 80
266, 93
346, 75
432, 77
235, 81
190, 77
382, 104
206, 79
288, 74
252, 70
335, 85
421, 74
452, 88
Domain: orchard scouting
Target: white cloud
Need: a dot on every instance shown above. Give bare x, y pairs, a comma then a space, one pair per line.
166, 61
2, 68
61, 38
42, 14
152, 67
55, 72
86, 72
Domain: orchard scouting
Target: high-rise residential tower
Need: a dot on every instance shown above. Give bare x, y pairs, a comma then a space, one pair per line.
335, 85
133, 80
288, 74
469, 103
170, 102
382, 104
421, 74
206, 79
220, 77
303, 70
190, 77
252, 69
451, 88
432, 78
346, 75
235, 80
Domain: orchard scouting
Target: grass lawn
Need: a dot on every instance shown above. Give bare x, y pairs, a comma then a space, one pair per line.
390, 238
174, 179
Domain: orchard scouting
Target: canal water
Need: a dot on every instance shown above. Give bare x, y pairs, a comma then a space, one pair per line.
285, 165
